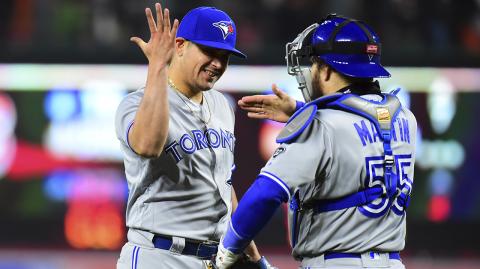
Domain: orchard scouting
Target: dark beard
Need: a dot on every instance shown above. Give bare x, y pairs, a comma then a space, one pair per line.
317, 91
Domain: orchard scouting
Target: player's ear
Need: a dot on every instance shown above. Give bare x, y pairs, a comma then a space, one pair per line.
327, 71
180, 45
323, 71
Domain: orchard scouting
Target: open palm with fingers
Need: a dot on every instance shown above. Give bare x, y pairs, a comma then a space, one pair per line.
161, 46
278, 107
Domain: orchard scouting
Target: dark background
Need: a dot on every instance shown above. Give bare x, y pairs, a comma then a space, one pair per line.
414, 32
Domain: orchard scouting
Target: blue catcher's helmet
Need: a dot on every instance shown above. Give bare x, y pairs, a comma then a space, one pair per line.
349, 46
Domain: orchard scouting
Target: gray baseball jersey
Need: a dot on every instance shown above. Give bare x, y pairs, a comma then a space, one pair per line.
339, 154
186, 192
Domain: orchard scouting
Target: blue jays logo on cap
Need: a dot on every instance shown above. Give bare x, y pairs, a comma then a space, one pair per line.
225, 26
210, 27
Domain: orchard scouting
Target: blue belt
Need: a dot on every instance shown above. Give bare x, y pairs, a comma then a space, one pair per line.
200, 250
337, 255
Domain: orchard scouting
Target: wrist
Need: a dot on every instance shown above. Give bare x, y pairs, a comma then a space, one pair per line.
256, 258
155, 67
264, 264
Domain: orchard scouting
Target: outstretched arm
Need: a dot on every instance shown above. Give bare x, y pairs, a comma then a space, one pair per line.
251, 250
149, 131
278, 107
254, 211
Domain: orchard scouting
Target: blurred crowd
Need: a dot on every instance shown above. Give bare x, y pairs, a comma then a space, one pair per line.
413, 32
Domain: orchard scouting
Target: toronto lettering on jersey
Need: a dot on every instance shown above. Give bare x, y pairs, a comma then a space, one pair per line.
198, 140
368, 133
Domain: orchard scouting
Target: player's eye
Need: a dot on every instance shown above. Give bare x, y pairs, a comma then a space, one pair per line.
223, 55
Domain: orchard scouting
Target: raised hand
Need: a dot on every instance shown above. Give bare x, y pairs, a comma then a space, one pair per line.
161, 46
278, 107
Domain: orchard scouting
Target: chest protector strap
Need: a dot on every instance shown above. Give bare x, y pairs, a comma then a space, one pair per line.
382, 114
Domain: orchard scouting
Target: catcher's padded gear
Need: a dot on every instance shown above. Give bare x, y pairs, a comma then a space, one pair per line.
297, 123
346, 102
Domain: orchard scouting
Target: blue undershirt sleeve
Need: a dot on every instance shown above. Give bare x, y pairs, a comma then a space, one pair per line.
298, 105
254, 211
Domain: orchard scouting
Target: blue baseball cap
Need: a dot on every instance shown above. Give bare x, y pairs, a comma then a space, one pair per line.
210, 27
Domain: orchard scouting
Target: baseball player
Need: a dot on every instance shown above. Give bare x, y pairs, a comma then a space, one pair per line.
178, 139
346, 158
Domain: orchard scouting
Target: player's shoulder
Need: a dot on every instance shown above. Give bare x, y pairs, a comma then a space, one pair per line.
216, 95
409, 114
330, 116
220, 99
305, 123
335, 120
133, 97
129, 101
335, 113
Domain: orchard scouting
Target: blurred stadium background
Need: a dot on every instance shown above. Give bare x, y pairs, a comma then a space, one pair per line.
66, 64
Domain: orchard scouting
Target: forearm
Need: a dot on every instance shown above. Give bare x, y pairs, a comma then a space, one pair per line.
148, 134
251, 249
255, 209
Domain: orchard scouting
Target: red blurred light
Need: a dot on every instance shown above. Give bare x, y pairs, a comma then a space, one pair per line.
267, 143
34, 161
94, 224
439, 208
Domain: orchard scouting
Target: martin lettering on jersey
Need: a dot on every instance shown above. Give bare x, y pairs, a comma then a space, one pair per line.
368, 133
198, 140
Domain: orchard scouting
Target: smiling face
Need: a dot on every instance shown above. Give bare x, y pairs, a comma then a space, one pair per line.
201, 67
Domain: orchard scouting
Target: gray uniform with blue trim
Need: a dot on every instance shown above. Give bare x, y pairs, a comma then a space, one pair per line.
338, 154
186, 192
